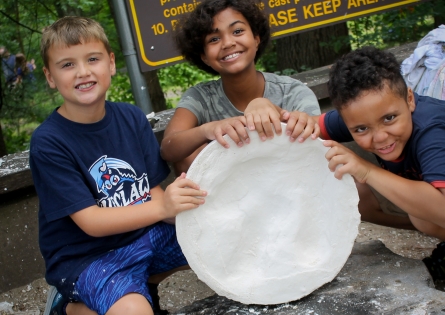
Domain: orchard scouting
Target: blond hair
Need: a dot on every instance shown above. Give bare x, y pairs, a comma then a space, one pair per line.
70, 31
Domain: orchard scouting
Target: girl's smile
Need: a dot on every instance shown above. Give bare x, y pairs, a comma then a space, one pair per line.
231, 47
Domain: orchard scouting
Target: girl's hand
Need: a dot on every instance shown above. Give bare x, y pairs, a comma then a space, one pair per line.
344, 161
301, 126
181, 195
234, 127
261, 115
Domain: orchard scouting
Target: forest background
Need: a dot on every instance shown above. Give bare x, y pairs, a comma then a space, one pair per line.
24, 107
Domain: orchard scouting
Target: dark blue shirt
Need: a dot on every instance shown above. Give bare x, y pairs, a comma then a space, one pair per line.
114, 162
423, 157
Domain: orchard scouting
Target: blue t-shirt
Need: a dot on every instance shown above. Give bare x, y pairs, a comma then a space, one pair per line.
114, 162
423, 157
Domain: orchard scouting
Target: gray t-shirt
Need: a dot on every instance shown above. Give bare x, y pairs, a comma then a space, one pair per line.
209, 102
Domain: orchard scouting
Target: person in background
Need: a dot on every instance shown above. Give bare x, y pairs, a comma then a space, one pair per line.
24, 69
8, 66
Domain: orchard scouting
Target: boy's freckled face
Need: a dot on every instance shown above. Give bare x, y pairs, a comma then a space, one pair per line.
232, 47
380, 122
81, 73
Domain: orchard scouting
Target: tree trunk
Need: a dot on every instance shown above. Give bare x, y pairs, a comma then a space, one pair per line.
3, 150
19, 34
155, 90
307, 50
439, 17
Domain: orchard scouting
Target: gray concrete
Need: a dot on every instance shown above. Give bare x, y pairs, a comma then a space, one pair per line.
374, 280
20, 258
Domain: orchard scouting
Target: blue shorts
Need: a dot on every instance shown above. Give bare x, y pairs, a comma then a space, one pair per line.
126, 270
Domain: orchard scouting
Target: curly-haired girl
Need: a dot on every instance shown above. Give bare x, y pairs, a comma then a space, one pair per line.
227, 37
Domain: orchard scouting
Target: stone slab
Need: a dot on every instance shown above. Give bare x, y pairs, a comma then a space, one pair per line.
374, 280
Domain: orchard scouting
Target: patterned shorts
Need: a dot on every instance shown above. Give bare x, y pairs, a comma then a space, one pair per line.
127, 269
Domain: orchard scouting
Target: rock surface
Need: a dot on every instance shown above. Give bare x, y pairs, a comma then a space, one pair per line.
183, 288
374, 280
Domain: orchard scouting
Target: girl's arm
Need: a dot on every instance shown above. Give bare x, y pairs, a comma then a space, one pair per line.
183, 165
183, 136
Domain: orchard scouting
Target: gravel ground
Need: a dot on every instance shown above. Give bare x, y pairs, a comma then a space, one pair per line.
184, 287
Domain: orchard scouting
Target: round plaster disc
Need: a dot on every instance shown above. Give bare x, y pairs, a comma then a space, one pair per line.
276, 224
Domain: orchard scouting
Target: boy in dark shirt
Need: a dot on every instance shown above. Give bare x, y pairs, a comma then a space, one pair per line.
406, 133
104, 222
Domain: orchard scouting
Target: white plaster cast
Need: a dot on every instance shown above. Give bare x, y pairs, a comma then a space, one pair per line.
276, 224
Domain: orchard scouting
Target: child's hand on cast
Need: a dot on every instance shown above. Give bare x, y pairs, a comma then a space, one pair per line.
261, 114
300, 126
234, 127
343, 161
181, 195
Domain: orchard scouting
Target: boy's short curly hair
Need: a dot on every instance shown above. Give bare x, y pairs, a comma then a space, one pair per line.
70, 31
192, 28
365, 69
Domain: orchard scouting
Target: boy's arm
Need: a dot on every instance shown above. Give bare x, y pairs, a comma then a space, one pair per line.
418, 198
181, 195
158, 194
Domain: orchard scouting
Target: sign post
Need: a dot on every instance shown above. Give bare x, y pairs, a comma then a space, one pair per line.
138, 84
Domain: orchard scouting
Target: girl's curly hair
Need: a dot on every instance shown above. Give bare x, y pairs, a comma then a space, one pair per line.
192, 28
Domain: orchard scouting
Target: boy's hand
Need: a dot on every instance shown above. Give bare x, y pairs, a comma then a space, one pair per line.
344, 161
234, 127
183, 194
300, 126
261, 114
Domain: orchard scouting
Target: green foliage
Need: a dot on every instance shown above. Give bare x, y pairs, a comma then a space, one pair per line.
396, 27
26, 106
120, 89
174, 81
16, 141
337, 43
287, 72
268, 61
72, 6
178, 78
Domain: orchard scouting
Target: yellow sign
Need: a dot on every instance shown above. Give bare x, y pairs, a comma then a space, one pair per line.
153, 21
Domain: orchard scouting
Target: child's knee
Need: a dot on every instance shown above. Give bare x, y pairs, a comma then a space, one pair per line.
131, 304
